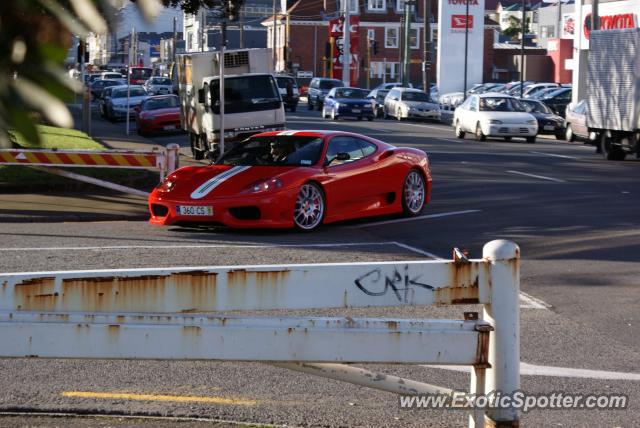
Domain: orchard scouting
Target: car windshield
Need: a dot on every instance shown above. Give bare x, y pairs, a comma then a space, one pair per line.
558, 92
329, 84
283, 81
122, 93
246, 93
415, 96
500, 104
381, 95
351, 93
534, 107
158, 103
278, 150
160, 81
140, 73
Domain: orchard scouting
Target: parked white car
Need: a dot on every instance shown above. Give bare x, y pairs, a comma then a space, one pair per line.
451, 100
494, 115
159, 86
405, 103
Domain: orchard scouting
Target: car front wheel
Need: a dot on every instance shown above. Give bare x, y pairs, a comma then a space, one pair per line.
479, 135
309, 208
413, 193
459, 132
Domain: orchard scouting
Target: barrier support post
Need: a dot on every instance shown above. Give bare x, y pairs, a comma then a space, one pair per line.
173, 157
504, 313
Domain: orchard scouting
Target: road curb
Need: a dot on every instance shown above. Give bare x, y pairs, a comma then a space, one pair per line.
72, 218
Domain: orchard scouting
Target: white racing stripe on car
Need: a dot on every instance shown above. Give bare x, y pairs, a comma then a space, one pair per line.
287, 132
214, 182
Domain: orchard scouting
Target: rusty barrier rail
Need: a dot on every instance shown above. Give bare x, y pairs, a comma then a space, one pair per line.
167, 314
165, 160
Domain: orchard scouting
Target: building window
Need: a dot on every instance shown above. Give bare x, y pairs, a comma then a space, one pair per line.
400, 6
414, 38
377, 5
391, 37
371, 34
384, 70
353, 6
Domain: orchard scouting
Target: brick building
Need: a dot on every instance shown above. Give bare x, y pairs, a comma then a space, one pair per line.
305, 29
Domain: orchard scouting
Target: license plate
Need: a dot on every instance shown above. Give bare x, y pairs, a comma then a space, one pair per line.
355, 110
549, 127
169, 127
194, 210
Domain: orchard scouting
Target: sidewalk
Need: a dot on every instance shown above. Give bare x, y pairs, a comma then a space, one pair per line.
93, 204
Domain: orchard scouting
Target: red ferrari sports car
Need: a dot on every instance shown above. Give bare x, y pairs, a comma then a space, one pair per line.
157, 114
296, 179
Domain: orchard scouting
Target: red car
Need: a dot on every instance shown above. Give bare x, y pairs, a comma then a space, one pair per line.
158, 114
296, 179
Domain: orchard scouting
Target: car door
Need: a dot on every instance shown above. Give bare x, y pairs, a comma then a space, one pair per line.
470, 117
344, 181
390, 102
579, 124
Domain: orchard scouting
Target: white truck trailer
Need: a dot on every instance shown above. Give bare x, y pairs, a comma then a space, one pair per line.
613, 91
252, 101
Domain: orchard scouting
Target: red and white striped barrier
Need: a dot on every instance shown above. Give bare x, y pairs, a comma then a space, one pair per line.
165, 160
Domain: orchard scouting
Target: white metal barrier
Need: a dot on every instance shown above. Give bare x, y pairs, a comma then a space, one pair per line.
166, 314
165, 160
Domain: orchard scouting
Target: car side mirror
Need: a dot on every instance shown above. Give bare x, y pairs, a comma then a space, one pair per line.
201, 95
329, 96
343, 156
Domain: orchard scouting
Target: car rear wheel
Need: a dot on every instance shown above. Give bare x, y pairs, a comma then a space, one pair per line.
309, 209
459, 132
531, 140
479, 135
334, 116
609, 150
568, 134
309, 105
413, 193
507, 138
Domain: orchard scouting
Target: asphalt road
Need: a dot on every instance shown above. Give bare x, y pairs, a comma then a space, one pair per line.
574, 215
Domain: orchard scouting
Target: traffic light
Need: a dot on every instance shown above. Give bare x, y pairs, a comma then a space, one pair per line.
374, 47
327, 50
82, 46
233, 9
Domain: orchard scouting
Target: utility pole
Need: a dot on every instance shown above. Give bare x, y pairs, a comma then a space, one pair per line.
287, 41
132, 51
346, 46
595, 16
241, 26
368, 70
175, 39
466, 47
558, 33
202, 27
223, 44
86, 94
426, 41
524, 27
273, 42
407, 44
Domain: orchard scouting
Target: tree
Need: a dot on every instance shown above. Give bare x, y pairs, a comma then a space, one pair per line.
34, 38
515, 27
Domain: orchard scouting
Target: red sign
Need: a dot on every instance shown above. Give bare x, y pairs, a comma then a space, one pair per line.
336, 30
611, 22
460, 21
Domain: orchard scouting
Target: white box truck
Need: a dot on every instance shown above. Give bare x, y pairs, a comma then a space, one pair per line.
613, 91
252, 102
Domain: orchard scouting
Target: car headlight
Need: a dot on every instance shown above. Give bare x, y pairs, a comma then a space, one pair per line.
495, 122
166, 185
337, 105
264, 186
532, 122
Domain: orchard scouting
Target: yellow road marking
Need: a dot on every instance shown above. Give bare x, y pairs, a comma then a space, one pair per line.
153, 397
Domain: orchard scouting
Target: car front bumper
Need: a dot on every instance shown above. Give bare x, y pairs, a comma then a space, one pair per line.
509, 130
274, 210
355, 112
424, 114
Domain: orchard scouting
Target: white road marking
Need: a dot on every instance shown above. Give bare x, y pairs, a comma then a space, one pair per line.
541, 177
167, 247
403, 220
536, 370
531, 302
380, 130
417, 250
554, 156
